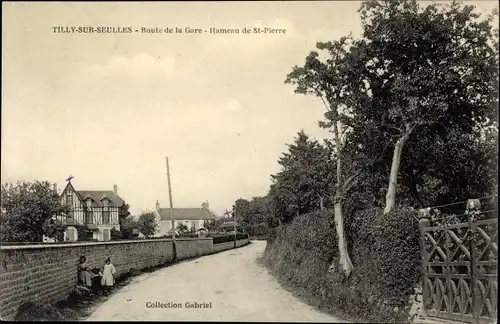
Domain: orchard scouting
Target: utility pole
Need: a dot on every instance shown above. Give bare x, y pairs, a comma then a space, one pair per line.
234, 219
170, 198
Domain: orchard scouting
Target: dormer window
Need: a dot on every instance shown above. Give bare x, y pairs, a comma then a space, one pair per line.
105, 211
69, 198
105, 200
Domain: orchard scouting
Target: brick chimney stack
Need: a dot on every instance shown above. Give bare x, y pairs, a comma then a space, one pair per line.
115, 189
157, 205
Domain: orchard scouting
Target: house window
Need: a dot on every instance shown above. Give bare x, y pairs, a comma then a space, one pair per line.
89, 219
105, 203
69, 199
105, 216
89, 203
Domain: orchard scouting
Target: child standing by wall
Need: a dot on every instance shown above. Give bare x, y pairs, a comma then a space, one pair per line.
85, 276
108, 272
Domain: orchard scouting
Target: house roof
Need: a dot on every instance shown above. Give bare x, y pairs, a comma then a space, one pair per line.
229, 224
185, 213
98, 195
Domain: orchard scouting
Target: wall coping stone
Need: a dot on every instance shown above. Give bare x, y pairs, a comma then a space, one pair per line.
44, 246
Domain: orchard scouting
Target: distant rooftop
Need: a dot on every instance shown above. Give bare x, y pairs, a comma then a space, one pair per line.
229, 224
98, 195
185, 213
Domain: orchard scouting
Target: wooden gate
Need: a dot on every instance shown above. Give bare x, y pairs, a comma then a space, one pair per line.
459, 261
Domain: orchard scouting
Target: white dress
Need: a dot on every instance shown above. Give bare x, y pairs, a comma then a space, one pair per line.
107, 275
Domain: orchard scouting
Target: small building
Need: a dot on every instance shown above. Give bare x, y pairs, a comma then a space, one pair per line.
229, 227
97, 210
192, 218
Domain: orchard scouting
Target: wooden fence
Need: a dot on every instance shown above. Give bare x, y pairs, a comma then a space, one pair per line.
459, 263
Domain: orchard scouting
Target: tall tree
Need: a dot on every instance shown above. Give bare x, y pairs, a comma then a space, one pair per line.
424, 81
241, 210
305, 180
123, 212
259, 208
427, 70
321, 79
29, 211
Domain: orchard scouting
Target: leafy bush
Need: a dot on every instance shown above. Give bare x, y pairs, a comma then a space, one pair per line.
84, 234
27, 211
223, 239
383, 248
34, 311
182, 228
241, 236
147, 224
115, 234
129, 227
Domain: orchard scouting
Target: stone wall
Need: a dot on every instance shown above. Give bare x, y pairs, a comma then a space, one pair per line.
223, 246
47, 273
242, 242
188, 248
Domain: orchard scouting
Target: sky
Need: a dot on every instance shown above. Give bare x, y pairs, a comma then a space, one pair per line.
108, 108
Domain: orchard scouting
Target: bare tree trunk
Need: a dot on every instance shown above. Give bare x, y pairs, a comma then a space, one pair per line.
344, 259
321, 205
390, 197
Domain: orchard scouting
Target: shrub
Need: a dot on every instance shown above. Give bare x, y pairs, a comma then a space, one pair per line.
241, 236
223, 239
84, 234
33, 311
115, 234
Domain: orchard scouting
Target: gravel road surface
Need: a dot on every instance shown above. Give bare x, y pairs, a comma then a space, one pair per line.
228, 286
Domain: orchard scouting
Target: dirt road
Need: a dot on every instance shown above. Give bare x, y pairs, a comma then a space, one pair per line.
231, 285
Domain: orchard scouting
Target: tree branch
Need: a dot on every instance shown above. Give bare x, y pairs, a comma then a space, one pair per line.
400, 130
320, 95
348, 183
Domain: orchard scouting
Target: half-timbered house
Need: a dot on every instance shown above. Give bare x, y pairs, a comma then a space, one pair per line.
98, 210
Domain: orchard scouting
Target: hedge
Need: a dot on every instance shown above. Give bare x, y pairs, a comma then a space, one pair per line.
257, 229
384, 250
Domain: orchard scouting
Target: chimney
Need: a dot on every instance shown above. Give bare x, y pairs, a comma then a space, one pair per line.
157, 206
115, 189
